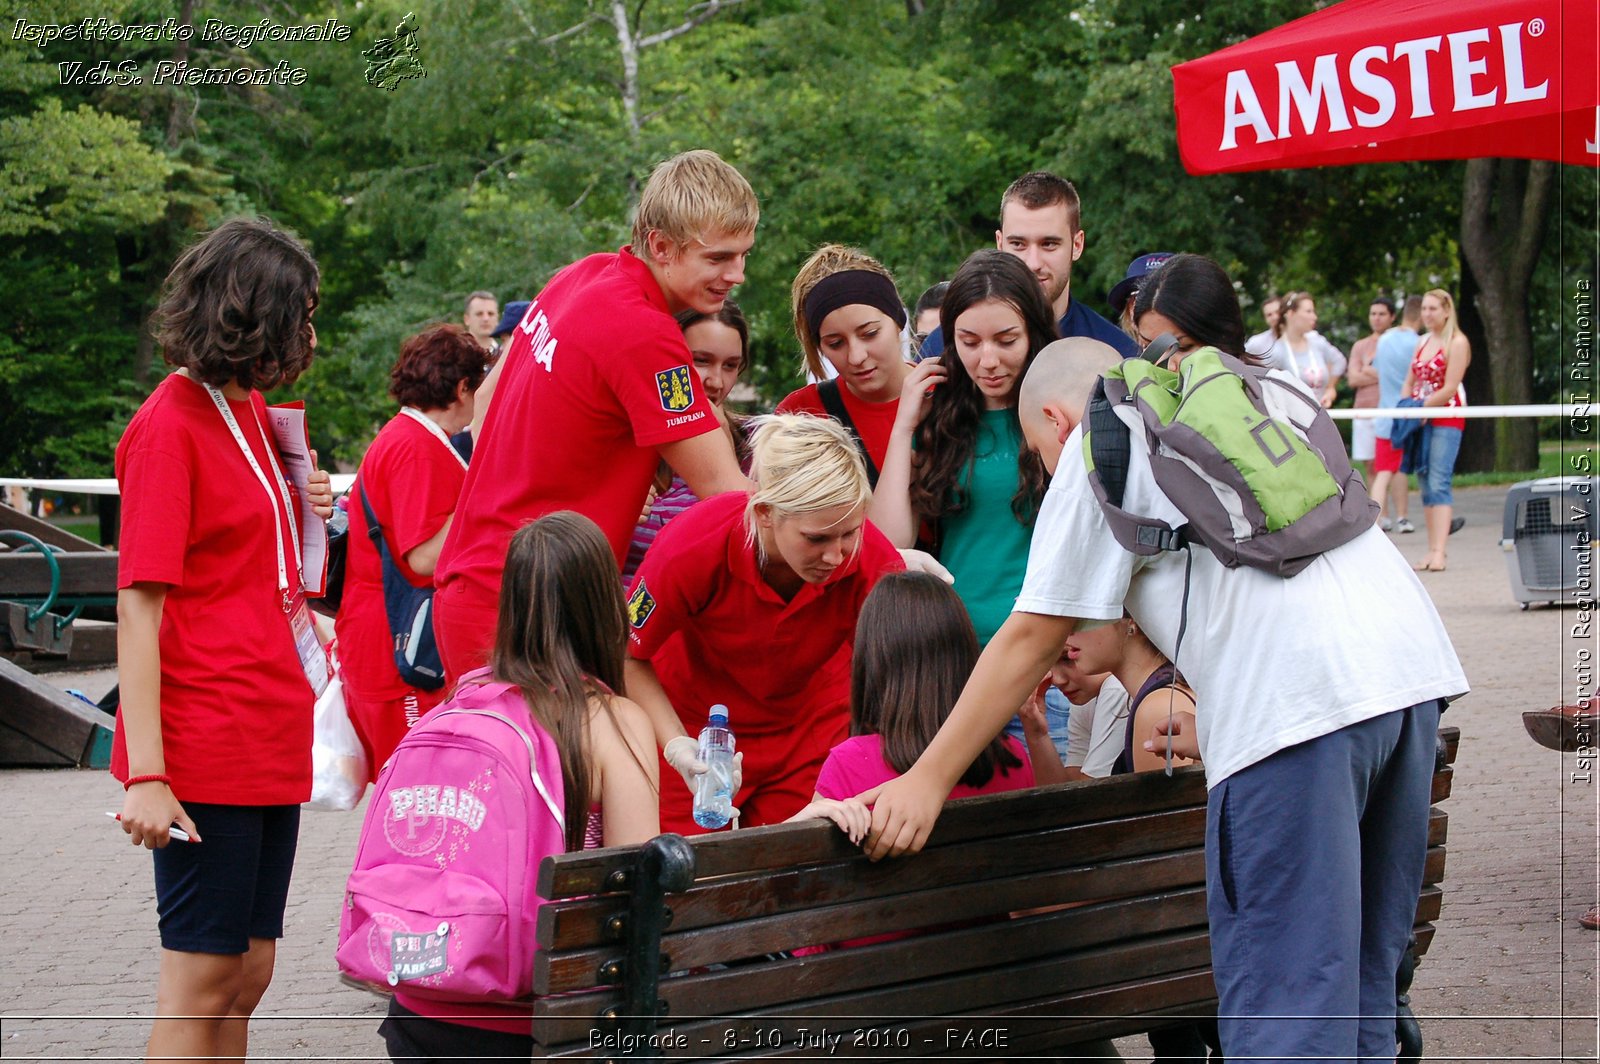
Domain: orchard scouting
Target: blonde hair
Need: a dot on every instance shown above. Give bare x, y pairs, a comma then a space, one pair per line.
692, 196
826, 261
1447, 334
802, 464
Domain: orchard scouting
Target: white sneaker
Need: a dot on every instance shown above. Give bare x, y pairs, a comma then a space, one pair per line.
1404, 525
1385, 524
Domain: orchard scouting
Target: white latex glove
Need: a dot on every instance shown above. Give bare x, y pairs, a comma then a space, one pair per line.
918, 561
683, 754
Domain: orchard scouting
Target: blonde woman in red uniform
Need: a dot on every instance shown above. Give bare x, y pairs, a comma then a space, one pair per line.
750, 599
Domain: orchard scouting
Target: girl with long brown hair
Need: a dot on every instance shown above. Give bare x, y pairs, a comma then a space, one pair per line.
957, 459
914, 650
560, 639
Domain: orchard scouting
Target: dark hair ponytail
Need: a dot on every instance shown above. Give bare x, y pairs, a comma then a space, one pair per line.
1195, 294
560, 638
915, 648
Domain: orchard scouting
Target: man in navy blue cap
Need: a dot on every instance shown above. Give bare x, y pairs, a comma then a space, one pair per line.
1039, 216
508, 321
1120, 298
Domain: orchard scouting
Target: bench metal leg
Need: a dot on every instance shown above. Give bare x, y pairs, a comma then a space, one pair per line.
666, 865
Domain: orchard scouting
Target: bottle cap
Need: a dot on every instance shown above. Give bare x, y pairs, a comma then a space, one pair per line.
719, 714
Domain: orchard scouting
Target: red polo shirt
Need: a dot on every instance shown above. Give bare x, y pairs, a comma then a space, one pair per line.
596, 377
700, 612
874, 421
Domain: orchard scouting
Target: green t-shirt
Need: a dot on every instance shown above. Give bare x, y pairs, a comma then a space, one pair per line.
983, 544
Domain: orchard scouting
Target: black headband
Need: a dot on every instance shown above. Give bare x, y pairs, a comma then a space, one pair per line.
847, 289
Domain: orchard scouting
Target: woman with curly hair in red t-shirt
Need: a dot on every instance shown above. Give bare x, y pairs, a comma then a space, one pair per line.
215, 657
411, 477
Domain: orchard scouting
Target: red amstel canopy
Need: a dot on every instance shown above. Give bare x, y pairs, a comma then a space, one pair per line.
1389, 80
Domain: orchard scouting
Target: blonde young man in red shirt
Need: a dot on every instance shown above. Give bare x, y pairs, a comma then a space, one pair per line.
596, 386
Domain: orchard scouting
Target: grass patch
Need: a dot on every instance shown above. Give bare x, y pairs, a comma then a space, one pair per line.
1550, 465
87, 527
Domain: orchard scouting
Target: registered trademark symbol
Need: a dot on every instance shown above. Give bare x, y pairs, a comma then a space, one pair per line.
1536, 28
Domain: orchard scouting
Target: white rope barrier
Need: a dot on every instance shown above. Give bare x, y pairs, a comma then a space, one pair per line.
1417, 413
108, 485
342, 481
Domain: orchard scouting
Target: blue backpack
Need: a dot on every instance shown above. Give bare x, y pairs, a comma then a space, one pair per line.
410, 612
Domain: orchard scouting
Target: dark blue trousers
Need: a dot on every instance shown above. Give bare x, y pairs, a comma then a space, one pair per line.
1313, 865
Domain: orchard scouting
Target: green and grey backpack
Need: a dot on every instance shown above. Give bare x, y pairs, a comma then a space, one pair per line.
1254, 464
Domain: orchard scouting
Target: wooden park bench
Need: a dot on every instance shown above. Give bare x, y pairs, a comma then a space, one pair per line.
677, 948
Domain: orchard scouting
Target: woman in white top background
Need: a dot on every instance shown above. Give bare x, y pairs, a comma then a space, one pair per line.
1301, 350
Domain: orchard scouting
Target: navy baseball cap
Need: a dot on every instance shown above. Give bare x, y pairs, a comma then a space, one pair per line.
1118, 296
512, 316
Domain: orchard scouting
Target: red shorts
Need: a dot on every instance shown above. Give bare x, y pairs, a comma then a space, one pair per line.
463, 626
382, 722
1385, 458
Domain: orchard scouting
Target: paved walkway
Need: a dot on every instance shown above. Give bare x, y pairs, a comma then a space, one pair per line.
1510, 975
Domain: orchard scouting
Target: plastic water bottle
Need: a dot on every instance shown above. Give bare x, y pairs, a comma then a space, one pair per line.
713, 792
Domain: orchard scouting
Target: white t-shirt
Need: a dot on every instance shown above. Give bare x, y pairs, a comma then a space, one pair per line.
1097, 730
1274, 662
1314, 367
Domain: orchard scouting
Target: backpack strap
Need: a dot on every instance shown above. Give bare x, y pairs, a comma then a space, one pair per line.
1109, 443
480, 707
833, 403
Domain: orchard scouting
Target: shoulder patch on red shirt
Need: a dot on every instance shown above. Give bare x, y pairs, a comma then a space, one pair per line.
676, 386
641, 604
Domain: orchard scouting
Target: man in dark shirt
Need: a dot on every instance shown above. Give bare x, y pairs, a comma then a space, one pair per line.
1039, 225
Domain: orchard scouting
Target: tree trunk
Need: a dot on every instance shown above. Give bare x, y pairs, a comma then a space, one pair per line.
1505, 206
628, 46
161, 244
1478, 441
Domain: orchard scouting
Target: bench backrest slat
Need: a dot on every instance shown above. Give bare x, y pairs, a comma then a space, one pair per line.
851, 875
1063, 805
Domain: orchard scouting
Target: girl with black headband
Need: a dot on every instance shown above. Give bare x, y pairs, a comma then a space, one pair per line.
847, 311
957, 458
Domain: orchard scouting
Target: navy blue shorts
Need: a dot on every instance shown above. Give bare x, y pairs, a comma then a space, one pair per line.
216, 895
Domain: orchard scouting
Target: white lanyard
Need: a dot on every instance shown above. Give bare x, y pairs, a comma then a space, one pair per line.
1318, 372
272, 497
438, 433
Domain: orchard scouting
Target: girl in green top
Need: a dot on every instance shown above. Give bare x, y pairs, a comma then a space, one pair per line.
956, 458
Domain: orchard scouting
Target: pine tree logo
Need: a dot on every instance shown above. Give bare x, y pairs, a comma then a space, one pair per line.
392, 60
676, 386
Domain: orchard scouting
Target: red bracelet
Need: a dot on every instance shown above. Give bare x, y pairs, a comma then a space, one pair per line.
153, 777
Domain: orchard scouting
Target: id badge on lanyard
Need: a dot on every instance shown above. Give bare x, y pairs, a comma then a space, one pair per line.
313, 659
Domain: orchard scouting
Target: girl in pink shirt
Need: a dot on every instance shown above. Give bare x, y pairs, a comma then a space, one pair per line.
914, 649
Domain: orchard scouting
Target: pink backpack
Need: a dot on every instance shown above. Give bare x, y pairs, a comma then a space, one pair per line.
442, 900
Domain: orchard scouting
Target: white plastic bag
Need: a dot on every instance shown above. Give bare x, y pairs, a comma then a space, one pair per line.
338, 762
